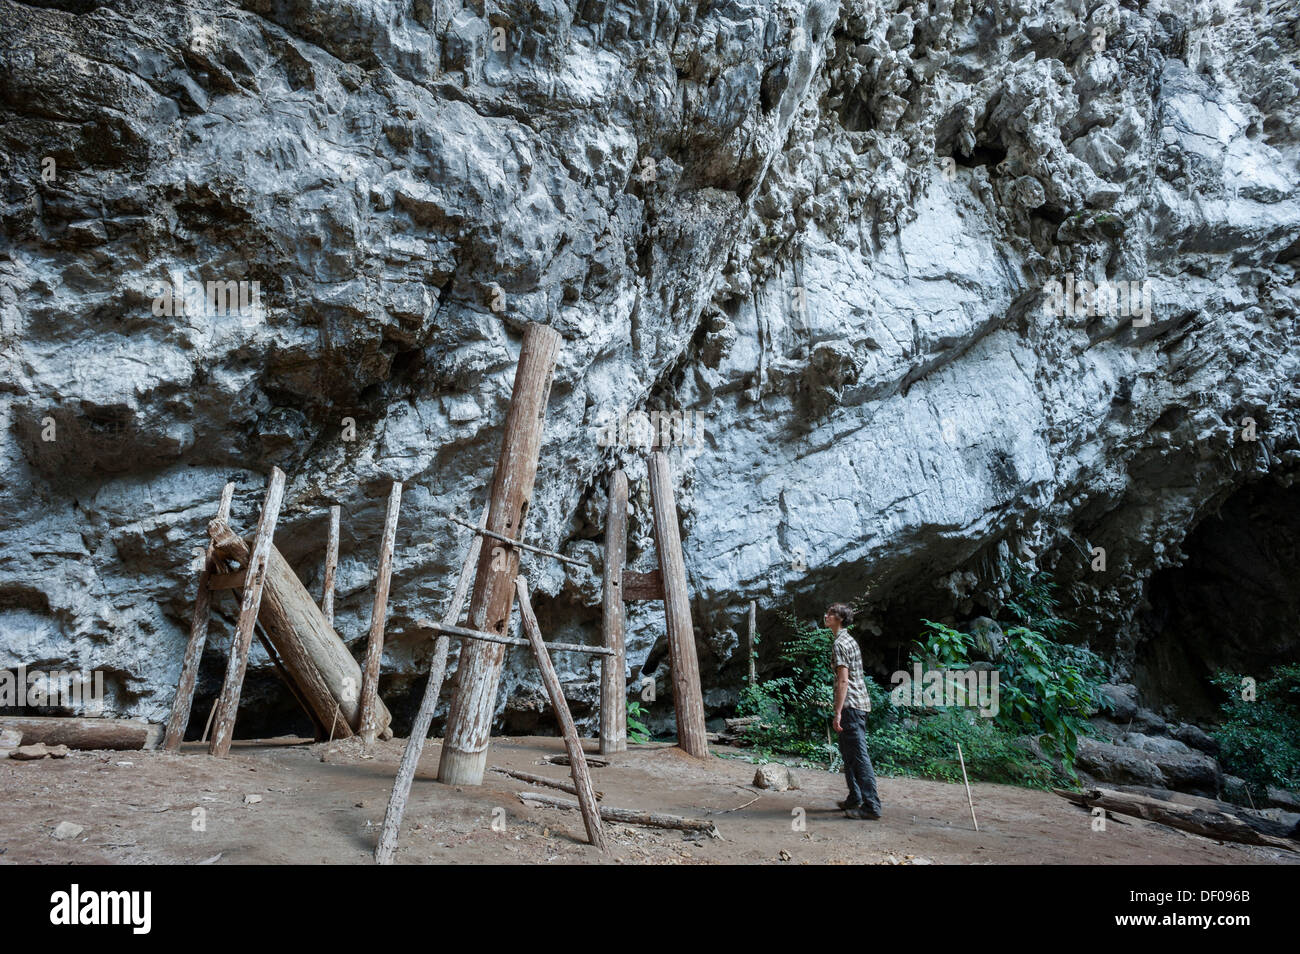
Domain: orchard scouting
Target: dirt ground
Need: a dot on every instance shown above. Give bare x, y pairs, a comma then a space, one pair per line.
324, 803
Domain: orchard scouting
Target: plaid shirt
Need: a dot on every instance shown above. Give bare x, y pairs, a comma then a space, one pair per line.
846, 653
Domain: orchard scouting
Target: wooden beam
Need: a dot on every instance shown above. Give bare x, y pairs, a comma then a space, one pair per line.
688, 700
464, 749
223, 726
643, 586
78, 733
331, 566
233, 580
753, 625
511, 541
613, 668
424, 717
378, 614
184, 699
478, 634
573, 744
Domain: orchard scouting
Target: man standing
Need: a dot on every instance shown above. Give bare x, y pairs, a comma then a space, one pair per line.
851, 707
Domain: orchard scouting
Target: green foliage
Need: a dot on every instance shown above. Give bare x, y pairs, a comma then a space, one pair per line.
794, 709
928, 747
636, 727
943, 646
1259, 740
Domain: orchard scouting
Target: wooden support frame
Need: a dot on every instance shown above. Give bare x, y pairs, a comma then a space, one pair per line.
510, 541
228, 701
577, 758
613, 668
688, 700
464, 751
184, 700
375, 643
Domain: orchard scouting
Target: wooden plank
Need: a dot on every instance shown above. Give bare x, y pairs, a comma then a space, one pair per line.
688, 700
331, 567
378, 614
643, 586
573, 744
613, 668
184, 699
233, 580
223, 726
318, 660
79, 733
464, 749
424, 717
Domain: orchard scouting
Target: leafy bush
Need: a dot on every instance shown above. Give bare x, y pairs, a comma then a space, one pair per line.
1259, 739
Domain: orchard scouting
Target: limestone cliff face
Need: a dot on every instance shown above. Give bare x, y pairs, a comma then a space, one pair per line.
831, 229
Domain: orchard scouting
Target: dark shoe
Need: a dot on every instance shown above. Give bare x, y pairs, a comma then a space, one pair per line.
848, 803
861, 814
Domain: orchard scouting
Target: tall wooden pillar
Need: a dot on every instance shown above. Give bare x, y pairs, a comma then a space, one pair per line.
613, 669
688, 700
469, 721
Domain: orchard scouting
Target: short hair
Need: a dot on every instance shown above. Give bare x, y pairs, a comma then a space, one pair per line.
843, 610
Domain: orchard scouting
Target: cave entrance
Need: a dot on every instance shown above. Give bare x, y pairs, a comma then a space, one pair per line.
1233, 605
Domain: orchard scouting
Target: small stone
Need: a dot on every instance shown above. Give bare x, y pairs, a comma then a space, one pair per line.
28, 753
776, 777
66, 829
252, 799
784, 855
58, 751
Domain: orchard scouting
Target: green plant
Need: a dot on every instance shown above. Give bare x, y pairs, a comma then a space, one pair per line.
1259, 738
636, 727
793, 710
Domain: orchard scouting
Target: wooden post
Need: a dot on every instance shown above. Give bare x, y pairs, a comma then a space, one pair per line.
577, 758
753, 624
613, 669
223, 728
331, 566
469, 723
424, 718
180, 716
688, 701
375, 644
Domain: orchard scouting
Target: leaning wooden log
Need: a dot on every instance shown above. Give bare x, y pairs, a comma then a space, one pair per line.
572, 744
1198, 821
542, 780
77, 733
627, 816
184, 699
317, 659
424, 718
688, 699
613, 669
464, 749
378, 613
227, 705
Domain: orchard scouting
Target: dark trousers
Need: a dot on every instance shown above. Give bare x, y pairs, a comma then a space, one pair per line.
857, 763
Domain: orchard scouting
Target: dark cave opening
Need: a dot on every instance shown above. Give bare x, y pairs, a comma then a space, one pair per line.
1233, 605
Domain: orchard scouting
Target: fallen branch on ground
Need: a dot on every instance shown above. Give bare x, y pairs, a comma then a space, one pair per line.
1197, 820
627, 816
561, 784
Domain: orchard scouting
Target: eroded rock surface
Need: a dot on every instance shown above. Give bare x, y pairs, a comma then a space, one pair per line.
827, 227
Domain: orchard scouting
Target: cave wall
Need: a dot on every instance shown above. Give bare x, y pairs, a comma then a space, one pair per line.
827, 227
